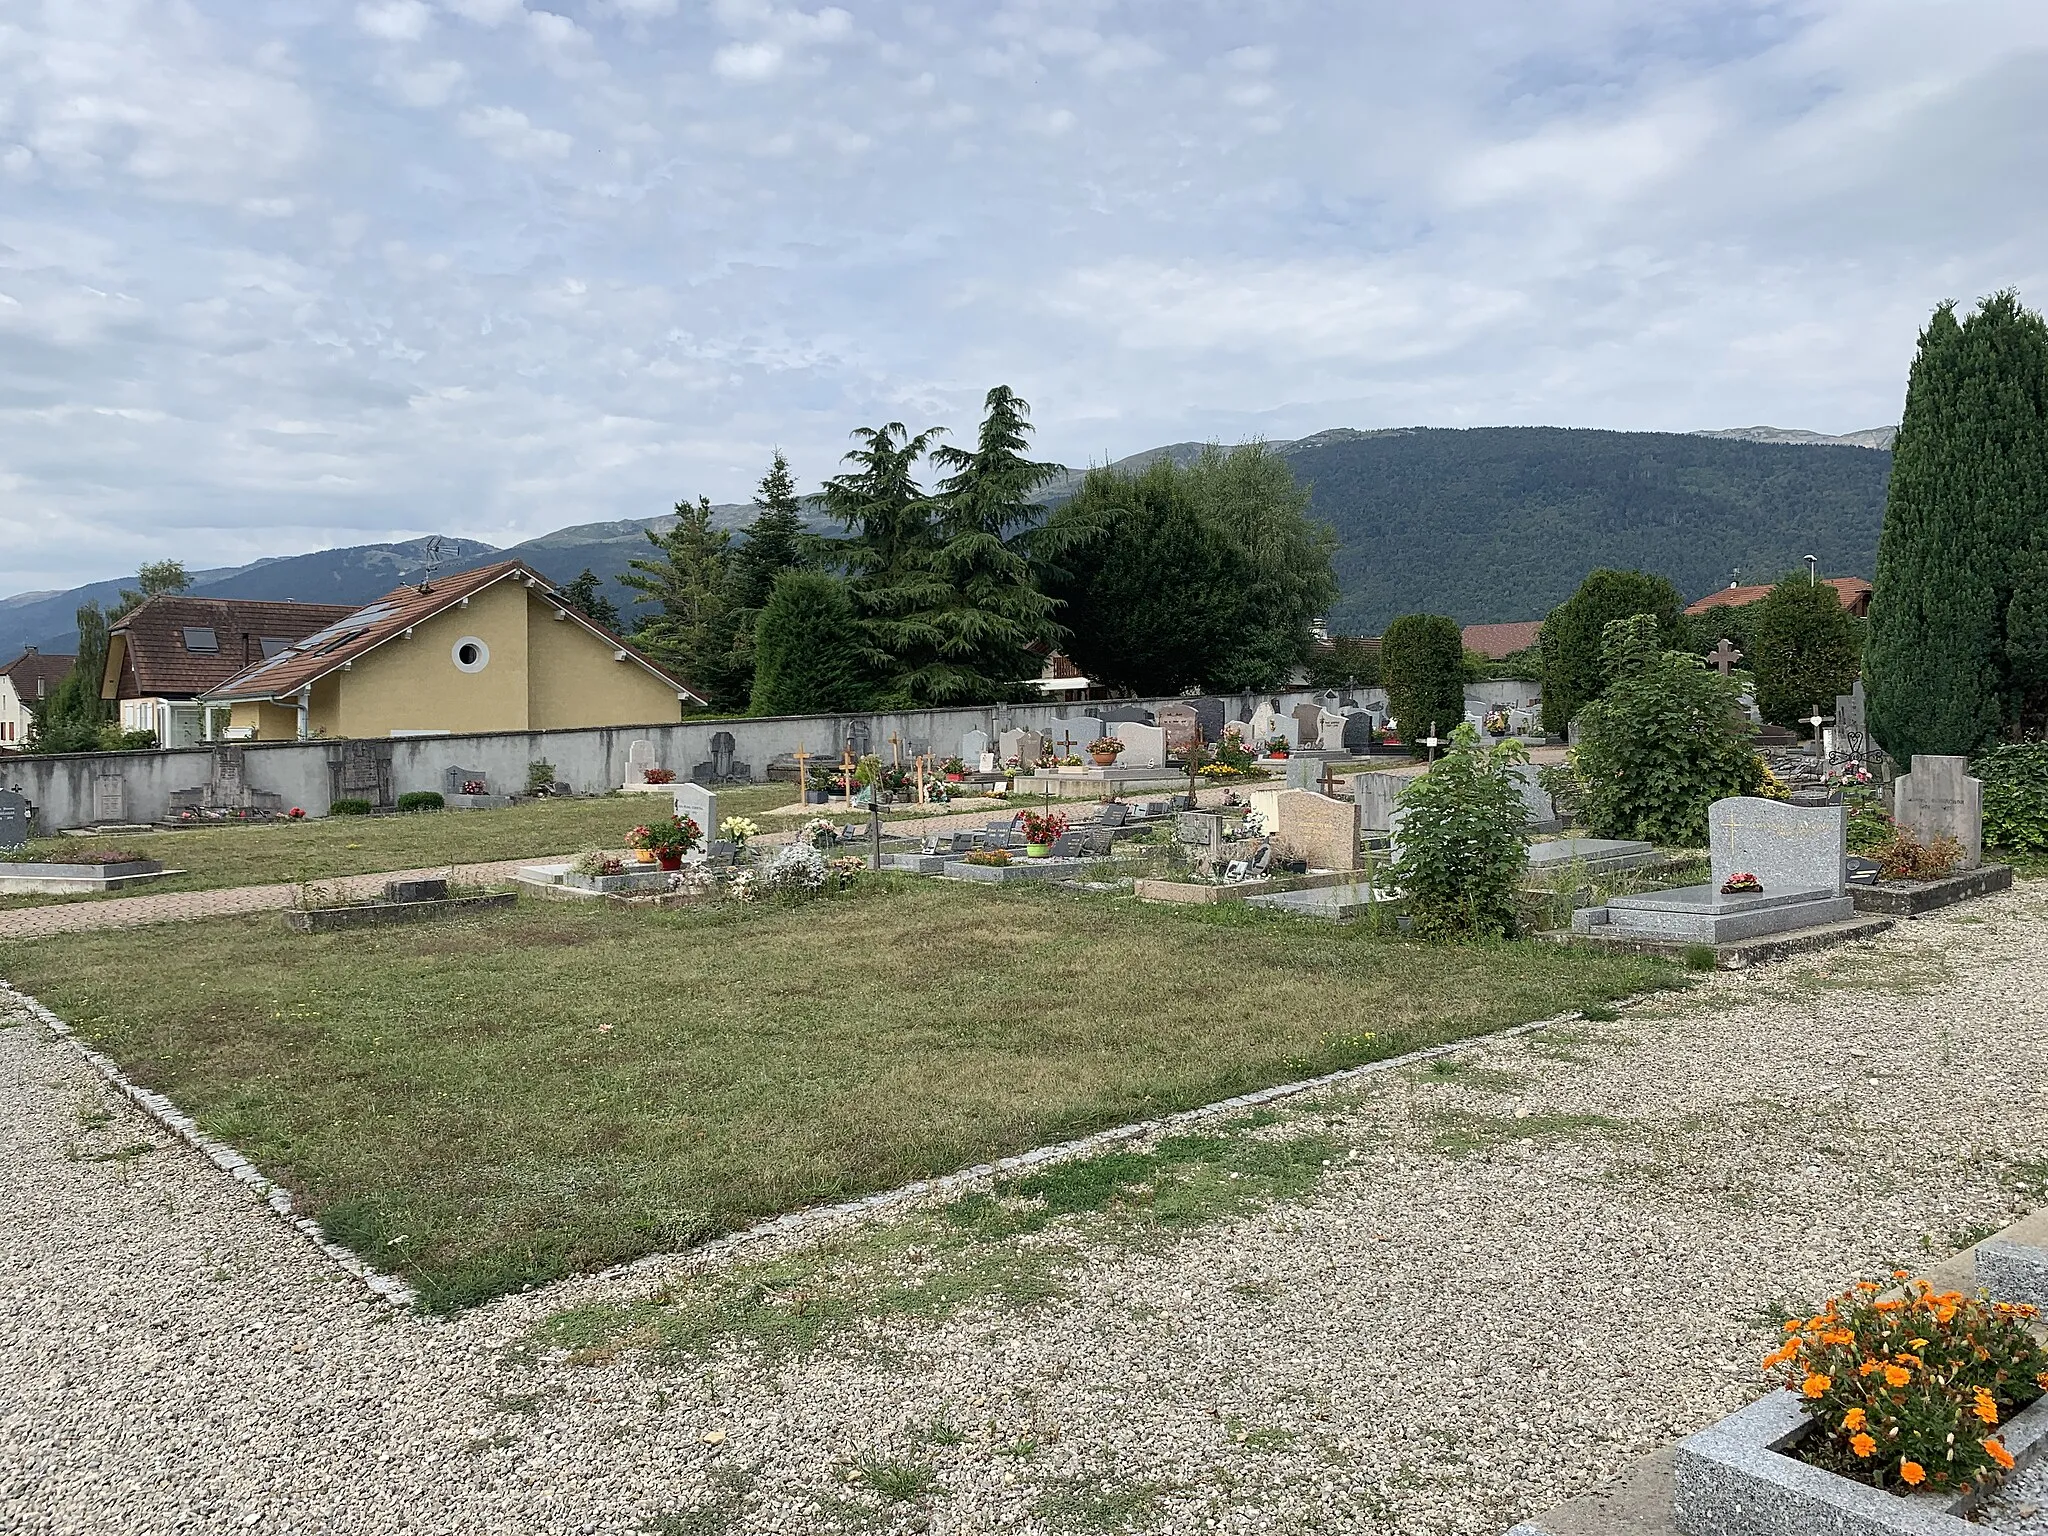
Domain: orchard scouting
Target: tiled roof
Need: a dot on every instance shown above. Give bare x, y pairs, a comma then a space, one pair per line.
35, 675
361, 630
1497, 640
1852, 590
161, 659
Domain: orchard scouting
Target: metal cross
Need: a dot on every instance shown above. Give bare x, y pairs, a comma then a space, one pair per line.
1067, 745
1725, 656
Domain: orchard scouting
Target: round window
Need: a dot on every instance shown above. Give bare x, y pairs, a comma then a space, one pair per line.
471, 654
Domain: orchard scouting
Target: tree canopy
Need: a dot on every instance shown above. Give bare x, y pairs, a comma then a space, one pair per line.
1422, 665
1804, 649
1573, 673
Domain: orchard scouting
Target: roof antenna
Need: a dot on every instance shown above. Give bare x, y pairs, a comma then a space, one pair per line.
432, 561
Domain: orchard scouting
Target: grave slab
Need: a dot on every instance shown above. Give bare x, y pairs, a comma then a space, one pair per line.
1912, 898
1600, 854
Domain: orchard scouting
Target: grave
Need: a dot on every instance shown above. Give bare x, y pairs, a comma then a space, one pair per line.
1331, 903
972, 745
1536, 802
25, 878
469, 789
1795, 852
1329, 731
1144, 745
1122, 715
1358, 728
1266, 723
1599, 855
1378, 794
1211, 713
724, 767
1318, 830
639, 758
15, 816
226, 795
701, 806
1308, 722
1182, 728
1081, 730
1938, 798
1024, 747
1301, 772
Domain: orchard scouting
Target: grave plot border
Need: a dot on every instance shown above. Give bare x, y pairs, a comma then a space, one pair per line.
22, 878
1911, 898
380, 914
392, 1289
1739, 954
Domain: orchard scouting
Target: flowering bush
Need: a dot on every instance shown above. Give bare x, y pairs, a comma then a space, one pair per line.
1221, 771
737, 829
796, 871
952, 765
1496, 722
659, 776
296, 813
996, 857
1907, 1392
672, 835
1046, 828
819, 833
1902, 856
595, 861
847, 869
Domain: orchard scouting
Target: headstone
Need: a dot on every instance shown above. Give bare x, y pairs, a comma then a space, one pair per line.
1376, 796
1114, 814
1265, 725
1125, 714
1182, 728
1308, 723
1301, 772
1787, 847
1144, 745
1358, 729
356, 769
723, 767
1319, 830
1026, 747
14, 818
860, 736
701, 806
1849, 710
1242, 730
227, 791
1081, 728
1329, 731
457, 781
972, 745
639, 758
1212, 713
416, 890
109, 797
1938, 798
1536, 801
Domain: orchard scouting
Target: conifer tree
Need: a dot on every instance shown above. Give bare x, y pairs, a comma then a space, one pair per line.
1422, 660
1958, 647
686, 582
1573, 673
586, 595
775, 543
807, 649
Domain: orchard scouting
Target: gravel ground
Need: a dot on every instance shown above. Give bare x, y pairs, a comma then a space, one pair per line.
1532, 1270
2021, 1508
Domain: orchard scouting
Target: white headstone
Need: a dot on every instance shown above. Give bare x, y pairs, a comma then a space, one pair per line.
639, 758
1940, 799
701, 806
1787, 847
1144, 745
972, 745
1330, 732
109, 797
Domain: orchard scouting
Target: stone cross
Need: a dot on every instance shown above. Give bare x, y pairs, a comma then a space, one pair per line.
1725, 656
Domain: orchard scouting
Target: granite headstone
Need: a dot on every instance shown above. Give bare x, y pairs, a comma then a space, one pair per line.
1938, 798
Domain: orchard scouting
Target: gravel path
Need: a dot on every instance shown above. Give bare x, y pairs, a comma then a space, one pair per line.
1533, 1269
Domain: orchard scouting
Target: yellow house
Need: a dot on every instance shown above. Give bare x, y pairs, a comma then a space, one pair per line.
488, 650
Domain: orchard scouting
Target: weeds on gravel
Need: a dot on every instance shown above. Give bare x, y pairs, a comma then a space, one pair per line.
1459, 1133
1448, 1069
2030, 1178
716, 1516
1011, 1246
1095, 1503
939, 1432
899, 1482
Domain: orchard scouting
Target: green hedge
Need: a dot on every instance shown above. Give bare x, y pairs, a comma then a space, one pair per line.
2015, 796
421, 800
349, 808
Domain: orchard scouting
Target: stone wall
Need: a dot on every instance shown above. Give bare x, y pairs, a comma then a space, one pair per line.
82, 789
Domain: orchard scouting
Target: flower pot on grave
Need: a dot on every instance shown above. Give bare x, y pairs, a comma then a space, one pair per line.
1037, 850
956, 778
817, 797
643, 855
1104, 759
669, 860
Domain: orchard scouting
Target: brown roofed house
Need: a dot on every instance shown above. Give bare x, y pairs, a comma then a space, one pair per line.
24, 683
1497, 641
167, 652
1854, 592
492, 649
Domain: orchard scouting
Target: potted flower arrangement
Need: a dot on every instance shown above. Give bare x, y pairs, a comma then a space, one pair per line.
1041, 831
1105, 750
819, 782
1742, 883
651, 776
954, 770
667, 840
1279, 747
1496, 722
737, 829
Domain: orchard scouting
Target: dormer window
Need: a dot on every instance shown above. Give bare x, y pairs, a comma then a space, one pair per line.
201, 641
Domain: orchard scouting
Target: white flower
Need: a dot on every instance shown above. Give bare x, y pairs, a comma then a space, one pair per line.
797, 868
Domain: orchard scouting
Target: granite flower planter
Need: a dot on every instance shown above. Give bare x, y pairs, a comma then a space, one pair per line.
1910, 898
1735, 1478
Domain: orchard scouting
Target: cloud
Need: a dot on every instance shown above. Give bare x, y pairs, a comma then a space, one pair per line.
395, 21
507, 133
748, 61
485, 13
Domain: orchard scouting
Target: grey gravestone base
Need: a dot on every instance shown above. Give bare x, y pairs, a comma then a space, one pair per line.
21, 878
1735, 956
376, 914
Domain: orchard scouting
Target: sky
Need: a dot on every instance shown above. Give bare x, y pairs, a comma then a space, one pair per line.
278, 275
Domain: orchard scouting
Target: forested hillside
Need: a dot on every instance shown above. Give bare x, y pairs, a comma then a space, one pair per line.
1502, 523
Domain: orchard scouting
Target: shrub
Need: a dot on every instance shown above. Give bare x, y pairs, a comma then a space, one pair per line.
1902, 856
1665, 741
349, 808
421, 800
540, 776
1907, 1391
795, 872
1462, 852
1422, 659
2015, 796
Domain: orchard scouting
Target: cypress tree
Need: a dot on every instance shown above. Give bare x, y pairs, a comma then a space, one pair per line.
808, 649
686, 579
1572, 669
1958, 645
1422, 662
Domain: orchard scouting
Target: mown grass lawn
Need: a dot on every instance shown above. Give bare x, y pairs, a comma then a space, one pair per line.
553, 1089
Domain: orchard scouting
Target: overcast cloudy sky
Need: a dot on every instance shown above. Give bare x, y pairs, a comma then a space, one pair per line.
279, 274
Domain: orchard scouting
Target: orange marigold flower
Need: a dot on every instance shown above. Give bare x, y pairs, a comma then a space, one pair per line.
1987, 1408
1816, 1384
1901, 1274
1866, 1285
1854, 1419
1868, 1366
1862, 1445
1896, 1375
1945, 1313
1838, 1336
1912, 1473
1998, 1453
1795, 1325
1778, 1357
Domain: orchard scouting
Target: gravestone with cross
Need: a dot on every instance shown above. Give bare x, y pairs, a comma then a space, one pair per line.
109, 797
15, 815
724, 766
356, 770
1724, 656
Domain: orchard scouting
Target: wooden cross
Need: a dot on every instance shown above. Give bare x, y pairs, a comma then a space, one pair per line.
1817, 720
920, 760
1067, 745
1725, 656
895, 751
846, 770
803, 773
1328, 783
1432, 741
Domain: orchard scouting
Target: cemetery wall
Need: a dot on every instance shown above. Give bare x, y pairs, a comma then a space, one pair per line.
81, 789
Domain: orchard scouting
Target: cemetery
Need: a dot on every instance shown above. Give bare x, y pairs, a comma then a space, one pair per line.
404, 901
